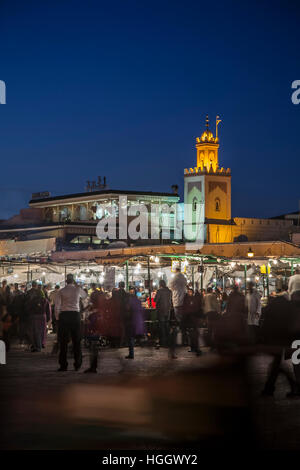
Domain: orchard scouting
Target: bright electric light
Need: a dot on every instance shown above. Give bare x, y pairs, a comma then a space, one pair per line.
275, 261
232, 264
159, 273
138, 266
156, 259
43, 273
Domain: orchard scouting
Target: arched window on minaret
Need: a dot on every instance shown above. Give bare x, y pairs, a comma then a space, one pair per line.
195, 201
217, 205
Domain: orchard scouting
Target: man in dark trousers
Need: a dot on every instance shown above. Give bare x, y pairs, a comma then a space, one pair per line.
68, 313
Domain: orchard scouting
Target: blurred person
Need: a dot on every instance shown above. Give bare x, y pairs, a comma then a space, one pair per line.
236, 302
4, 298
211, 308
294, 285
115, 327
140, 293
224, 300
277, 326
123, 298
68, 312
134, 321
231, 329
178, 287
94, 295
48, 315
253, 307
93, 334
35, 309
52, 297
17, 305
163, 301
191, 316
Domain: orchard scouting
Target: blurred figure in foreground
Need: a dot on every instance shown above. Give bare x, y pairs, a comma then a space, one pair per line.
279, 328
163, 300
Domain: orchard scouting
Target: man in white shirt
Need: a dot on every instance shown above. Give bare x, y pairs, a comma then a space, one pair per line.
67, 310
294, 285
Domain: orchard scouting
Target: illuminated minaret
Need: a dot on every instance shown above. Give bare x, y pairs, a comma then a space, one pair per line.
209, 185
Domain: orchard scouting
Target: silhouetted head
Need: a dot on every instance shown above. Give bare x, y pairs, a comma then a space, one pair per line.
132, 290
70, 279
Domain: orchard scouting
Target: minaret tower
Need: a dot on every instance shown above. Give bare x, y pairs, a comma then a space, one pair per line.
209, 185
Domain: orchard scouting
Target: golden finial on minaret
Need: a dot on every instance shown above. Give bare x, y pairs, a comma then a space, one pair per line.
207, 122
218, 120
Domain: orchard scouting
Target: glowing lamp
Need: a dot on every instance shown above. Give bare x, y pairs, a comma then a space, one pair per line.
250, 253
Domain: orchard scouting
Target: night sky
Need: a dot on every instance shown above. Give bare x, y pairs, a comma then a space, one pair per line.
121, 89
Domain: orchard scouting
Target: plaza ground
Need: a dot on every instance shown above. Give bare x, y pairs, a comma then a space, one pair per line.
45, 409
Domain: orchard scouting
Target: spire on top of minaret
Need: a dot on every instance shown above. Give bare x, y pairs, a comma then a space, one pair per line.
207, 123
207, 135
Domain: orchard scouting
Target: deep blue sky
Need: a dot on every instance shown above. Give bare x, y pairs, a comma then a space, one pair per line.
121, 88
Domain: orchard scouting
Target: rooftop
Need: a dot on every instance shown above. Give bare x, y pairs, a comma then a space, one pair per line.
100, 193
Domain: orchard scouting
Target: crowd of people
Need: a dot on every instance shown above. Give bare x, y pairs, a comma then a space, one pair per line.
223, 320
